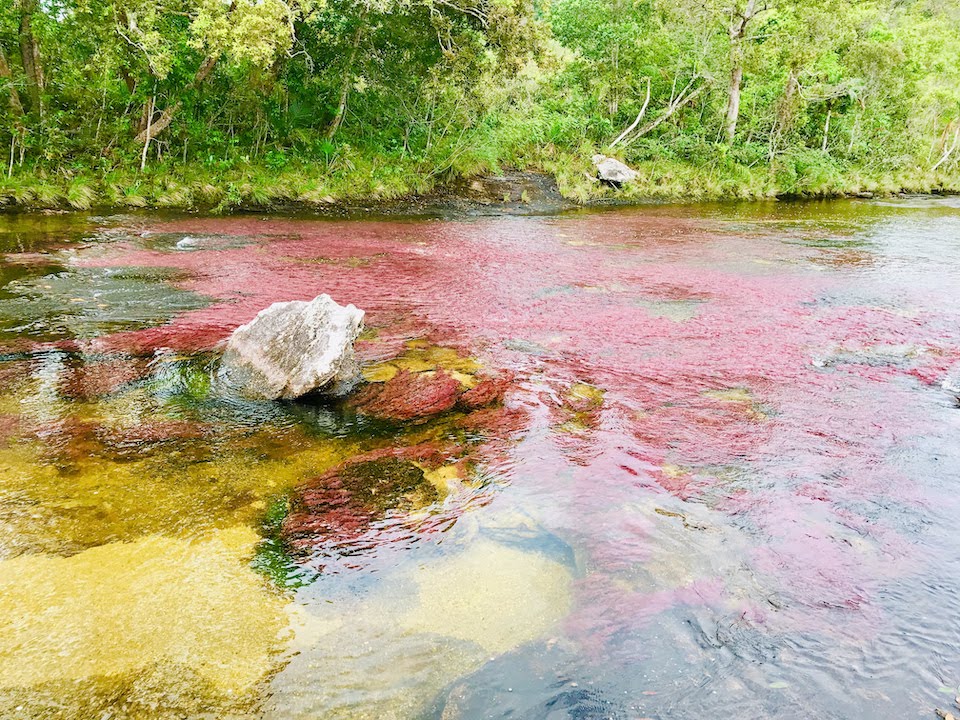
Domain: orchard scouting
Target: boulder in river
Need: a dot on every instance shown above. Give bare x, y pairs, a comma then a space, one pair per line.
613, 172
294, 348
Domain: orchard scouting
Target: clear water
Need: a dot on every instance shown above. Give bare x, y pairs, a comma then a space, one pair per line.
724, 482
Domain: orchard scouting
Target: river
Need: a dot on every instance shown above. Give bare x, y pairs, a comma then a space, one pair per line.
723, 482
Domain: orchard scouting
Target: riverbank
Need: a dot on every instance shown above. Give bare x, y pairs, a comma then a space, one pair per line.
546, 184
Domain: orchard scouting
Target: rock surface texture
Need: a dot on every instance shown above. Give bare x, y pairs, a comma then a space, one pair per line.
613, 172
294, 348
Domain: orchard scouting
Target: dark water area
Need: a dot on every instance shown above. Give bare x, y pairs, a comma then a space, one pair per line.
723, 481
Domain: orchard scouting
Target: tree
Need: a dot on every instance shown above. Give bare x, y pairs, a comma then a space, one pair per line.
737, 31
30, 55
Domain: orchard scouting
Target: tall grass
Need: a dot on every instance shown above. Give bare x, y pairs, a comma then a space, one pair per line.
366, 174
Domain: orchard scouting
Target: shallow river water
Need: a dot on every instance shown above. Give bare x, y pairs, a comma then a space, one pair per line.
723, 482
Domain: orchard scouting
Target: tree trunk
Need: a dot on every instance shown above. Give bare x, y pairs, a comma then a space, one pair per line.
733, 102
345, 83
826, 130
128, 80
163, 122
166, 117
15, 105
737, 30
30, 55
146, 144
783, 121
786, 109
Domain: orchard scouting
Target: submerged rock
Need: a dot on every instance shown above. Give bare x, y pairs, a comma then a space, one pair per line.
342, 503
88, 378
294, 348
417, 396
613, 172
409, 396
489, 391
126, 617
386, 650
386, 498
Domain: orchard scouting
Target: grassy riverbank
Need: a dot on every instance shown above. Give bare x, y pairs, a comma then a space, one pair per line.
226, 186
255, 104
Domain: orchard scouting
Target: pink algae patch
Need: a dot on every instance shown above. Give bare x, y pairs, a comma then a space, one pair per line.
92, 379
9, 426
488, 391
796, 462
408, 396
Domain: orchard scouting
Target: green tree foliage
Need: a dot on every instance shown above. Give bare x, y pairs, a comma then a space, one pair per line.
223, 101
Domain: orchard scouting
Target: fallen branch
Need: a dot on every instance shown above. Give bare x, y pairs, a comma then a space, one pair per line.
684, 98
636, 122
949, 152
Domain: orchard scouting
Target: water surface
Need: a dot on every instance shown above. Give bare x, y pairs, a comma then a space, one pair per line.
724, 482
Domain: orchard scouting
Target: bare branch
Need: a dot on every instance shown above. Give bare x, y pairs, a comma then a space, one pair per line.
636, 122
681, 100
949, 152
473, 12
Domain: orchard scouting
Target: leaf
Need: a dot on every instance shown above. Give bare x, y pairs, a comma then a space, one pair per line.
778, 685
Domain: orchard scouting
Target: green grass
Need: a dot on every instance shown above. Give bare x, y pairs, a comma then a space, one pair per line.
357, 176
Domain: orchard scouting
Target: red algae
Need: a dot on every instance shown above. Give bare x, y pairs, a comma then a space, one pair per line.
408, 396
88, 380
488, 391
9, 427
775, 396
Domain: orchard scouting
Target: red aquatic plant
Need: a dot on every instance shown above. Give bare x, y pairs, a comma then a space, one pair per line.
408, 396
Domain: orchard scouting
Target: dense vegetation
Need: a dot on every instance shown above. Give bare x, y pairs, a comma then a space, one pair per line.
225, 102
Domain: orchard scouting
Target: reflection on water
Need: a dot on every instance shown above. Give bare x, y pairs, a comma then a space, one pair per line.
721, 482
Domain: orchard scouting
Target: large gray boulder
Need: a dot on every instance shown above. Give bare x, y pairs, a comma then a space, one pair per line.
613, 172
294, 348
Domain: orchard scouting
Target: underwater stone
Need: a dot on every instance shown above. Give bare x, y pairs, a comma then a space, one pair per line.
343, 502
418, 396
89, 380
294, 348
489, 391
409, 396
